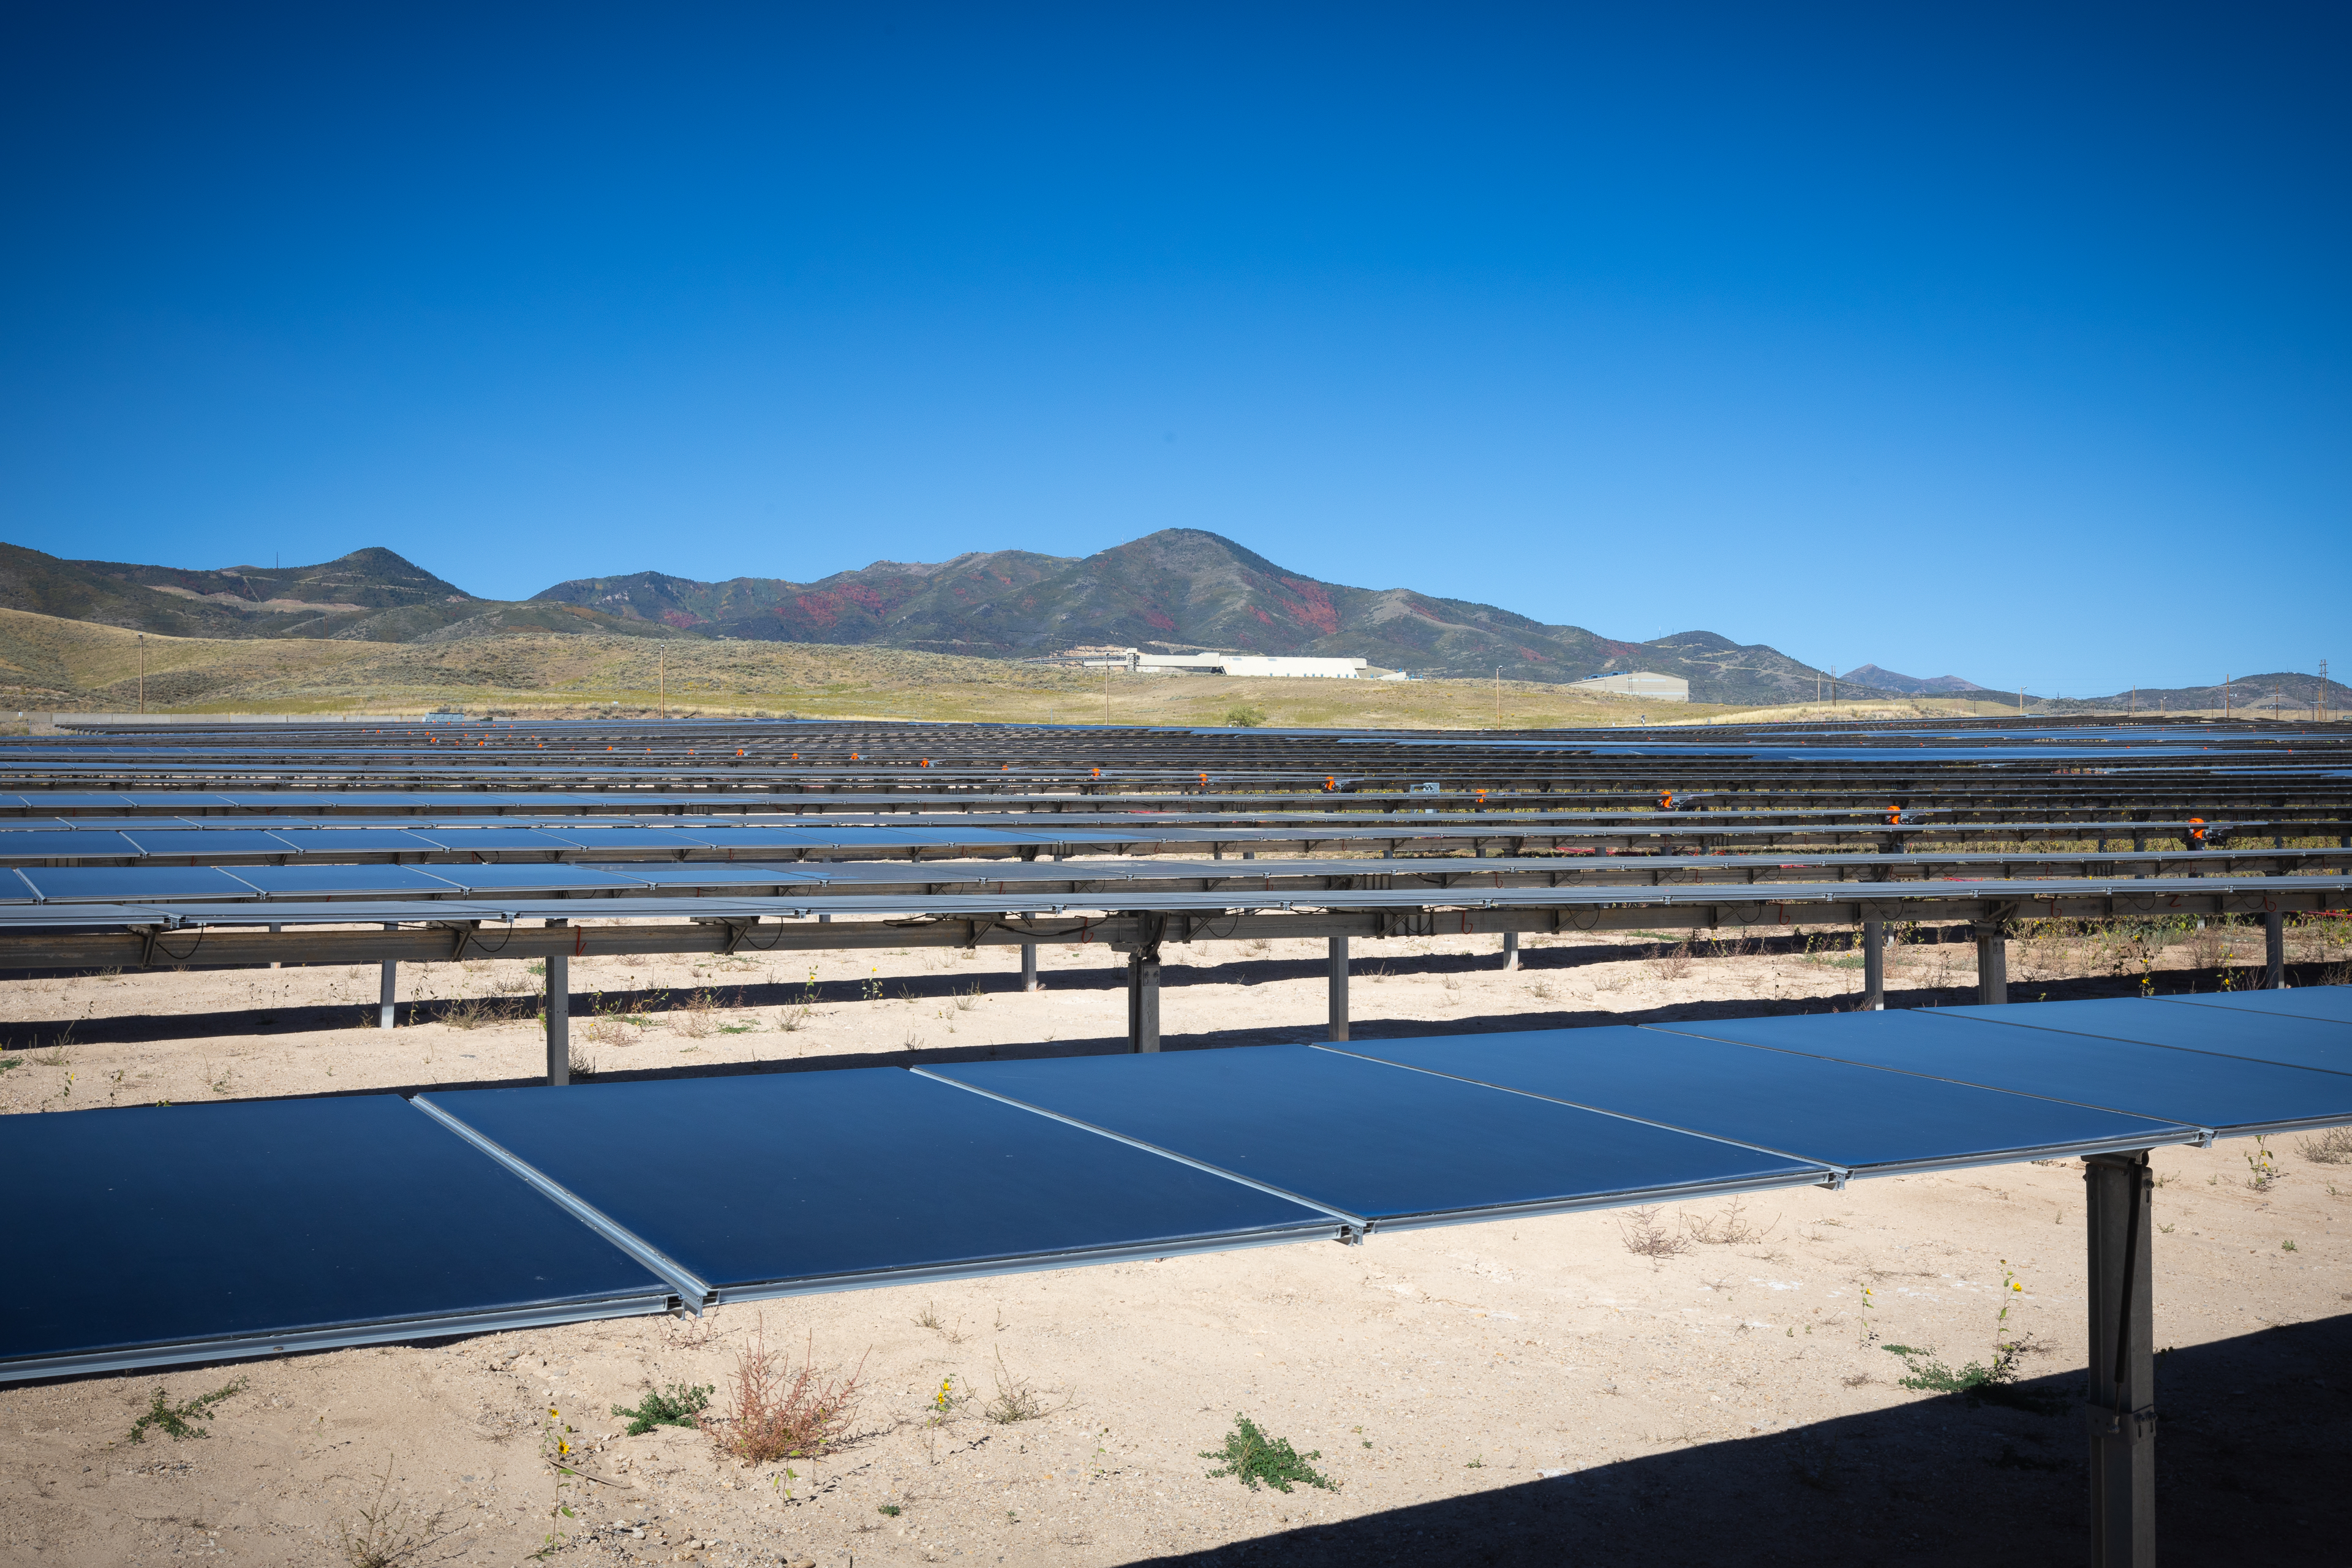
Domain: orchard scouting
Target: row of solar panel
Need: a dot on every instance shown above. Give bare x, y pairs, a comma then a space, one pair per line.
290, 887
188, 1234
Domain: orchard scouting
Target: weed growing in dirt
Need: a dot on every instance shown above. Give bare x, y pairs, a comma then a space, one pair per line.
556, 1446
1992, 1381
1729, 1228
1016, 1401
179, 1421
928, 1318
890, 1510
1646, 1236
2264, 1171
1252, 1457
386, 1535
2333, 1147
783, 1412
679, 1405
581, 1064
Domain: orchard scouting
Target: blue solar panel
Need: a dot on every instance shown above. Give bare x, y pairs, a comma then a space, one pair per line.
308, 882
532, 879
327, 841
132, 884
205, 845
1370, 1141
2264, 1036
1837, 1112
494, 840
729, 878
837, 1177
133, 1232
2224, 1093
2331, 1003
66, 846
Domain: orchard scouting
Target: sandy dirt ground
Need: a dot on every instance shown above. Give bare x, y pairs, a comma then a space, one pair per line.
1532, 1391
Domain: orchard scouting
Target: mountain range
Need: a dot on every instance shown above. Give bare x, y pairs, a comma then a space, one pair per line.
1178, 589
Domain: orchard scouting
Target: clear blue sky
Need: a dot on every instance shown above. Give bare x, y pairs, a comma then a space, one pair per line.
2008, 342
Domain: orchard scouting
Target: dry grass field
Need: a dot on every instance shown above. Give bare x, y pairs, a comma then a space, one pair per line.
48, 664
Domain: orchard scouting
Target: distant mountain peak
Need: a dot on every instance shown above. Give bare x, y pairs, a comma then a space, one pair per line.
1910, 686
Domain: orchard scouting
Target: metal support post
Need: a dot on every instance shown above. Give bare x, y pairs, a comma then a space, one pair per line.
1992, 964
1510, 952
274, 931
1338, 987
1028, 966
2274, 951
1143, 1001
559, 1016
1873, 962
389, 989
2121, 1409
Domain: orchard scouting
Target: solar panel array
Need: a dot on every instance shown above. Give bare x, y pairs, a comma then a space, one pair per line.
158, 1236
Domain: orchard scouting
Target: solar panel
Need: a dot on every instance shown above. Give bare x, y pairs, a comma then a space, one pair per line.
732, 877
2224, 1093
494, 840
850, 1178
1863, 1118
2331, 1003
343, 881
357, 841
128, 884
1390, 1147
66, 846
2264, 1036
205, 845
532, 879
148, 1235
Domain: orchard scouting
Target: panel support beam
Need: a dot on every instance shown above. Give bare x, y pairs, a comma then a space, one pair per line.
1510, 952
388, 990
2121, 1408
1338, 993
2273, 950
1028, 966
1992, 964
559, 1016
1873, 962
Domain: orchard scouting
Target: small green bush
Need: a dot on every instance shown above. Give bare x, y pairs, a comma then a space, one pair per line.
1244, 718
1250, 1457
681, 1406
179, 1420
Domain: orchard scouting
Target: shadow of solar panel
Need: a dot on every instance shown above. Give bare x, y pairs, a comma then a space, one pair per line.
2224, 1093
151, 1235
1393, 1148
2262, 1036
1863, 1118
836, 1179
132, 884
2331, 1004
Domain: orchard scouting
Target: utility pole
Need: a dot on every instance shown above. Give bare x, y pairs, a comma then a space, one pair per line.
2225, 696
1833, 686
661, 679
1498, 697
2319, 698
142, 672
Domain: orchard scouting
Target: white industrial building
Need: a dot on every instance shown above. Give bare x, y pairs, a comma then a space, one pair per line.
1136, 662
1638, 683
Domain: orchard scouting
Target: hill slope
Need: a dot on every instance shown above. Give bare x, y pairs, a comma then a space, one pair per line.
1179, 588
369, 596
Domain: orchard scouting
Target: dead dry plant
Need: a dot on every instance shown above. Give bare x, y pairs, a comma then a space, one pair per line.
699, 1016
1672, 963
1015, 1400
928, 1318
2333, 1147
386, 1533
1729, 1228
1647, 1236
475, 1012
782, 1411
